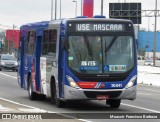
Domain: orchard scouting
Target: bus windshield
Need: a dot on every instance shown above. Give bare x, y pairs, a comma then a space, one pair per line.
100, 54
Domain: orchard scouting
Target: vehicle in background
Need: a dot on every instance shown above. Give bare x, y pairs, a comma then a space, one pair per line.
148, 62
141, 60
8, 62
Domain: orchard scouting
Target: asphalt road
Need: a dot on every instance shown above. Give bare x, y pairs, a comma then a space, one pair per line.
148, 101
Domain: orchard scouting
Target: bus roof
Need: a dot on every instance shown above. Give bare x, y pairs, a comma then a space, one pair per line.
45, 24
35, 25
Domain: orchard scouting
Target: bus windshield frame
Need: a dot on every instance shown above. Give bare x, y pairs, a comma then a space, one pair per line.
107, 41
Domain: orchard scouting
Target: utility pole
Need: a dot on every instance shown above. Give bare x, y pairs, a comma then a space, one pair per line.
155, 29
13, 39
51, 9
8, 41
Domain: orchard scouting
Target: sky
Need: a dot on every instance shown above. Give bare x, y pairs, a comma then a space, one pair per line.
19, 12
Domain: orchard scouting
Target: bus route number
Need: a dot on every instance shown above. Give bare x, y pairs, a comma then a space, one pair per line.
88, 63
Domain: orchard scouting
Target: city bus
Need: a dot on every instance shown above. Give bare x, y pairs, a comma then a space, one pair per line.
78, 59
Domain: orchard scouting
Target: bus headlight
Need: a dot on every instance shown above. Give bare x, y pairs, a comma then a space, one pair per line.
72, 82
131, 82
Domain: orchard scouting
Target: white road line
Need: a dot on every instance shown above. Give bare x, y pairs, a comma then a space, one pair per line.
146, 109
152, 90
18, 103
32, 110
5, 108
40, 110
143, 93
8, 75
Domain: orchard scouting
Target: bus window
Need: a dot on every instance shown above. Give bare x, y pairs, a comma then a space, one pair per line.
49, 42
31, 42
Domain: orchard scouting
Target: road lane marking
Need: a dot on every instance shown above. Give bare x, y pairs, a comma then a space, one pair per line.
146, 109
18, 103
143, 93
8, 75
41, 110
32, 110
5, 108
38, 108
152, 90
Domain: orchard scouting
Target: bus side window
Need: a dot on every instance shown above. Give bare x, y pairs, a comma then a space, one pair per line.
31, 42
49, 42
45, 42
53, 39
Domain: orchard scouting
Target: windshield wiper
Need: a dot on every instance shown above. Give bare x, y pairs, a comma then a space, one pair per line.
110, 44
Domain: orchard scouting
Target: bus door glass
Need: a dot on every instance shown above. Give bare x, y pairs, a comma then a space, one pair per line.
48, 54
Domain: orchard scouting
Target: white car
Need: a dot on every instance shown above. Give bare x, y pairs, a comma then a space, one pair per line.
148, 62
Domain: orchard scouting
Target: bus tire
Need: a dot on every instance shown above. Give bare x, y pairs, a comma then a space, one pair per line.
54, 99
114, 103
60, 103
52, 88
42, 97
32, 95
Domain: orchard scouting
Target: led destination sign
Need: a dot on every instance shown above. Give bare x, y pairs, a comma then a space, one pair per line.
100, 27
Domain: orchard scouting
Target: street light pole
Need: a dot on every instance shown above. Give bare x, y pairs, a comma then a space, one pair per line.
76, 8
155, 29
81, 7
60, 10
51, 9
101, 7
55, 9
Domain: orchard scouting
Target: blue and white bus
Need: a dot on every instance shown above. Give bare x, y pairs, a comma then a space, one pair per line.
79, 59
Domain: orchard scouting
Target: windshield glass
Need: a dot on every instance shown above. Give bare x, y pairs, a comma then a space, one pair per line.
100, 54
8, 57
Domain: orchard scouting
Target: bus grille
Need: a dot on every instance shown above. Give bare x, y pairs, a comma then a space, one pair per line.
94, 94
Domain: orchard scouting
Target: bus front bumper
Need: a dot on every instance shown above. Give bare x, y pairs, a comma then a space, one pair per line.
91, 94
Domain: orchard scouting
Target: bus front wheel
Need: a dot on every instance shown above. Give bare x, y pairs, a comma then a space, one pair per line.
114, 103
55, 100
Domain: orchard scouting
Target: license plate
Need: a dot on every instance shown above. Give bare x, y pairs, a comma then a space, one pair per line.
9, 66
102, 97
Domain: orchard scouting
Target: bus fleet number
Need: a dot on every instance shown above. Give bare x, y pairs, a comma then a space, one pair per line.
116, 85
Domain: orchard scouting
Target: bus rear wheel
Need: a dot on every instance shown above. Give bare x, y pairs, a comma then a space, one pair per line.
114, 103
32, 95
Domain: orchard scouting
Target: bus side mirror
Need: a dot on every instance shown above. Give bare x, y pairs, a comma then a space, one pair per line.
64, 44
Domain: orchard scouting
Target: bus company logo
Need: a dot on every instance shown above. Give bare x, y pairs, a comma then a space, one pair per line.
6, 116
102, 86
